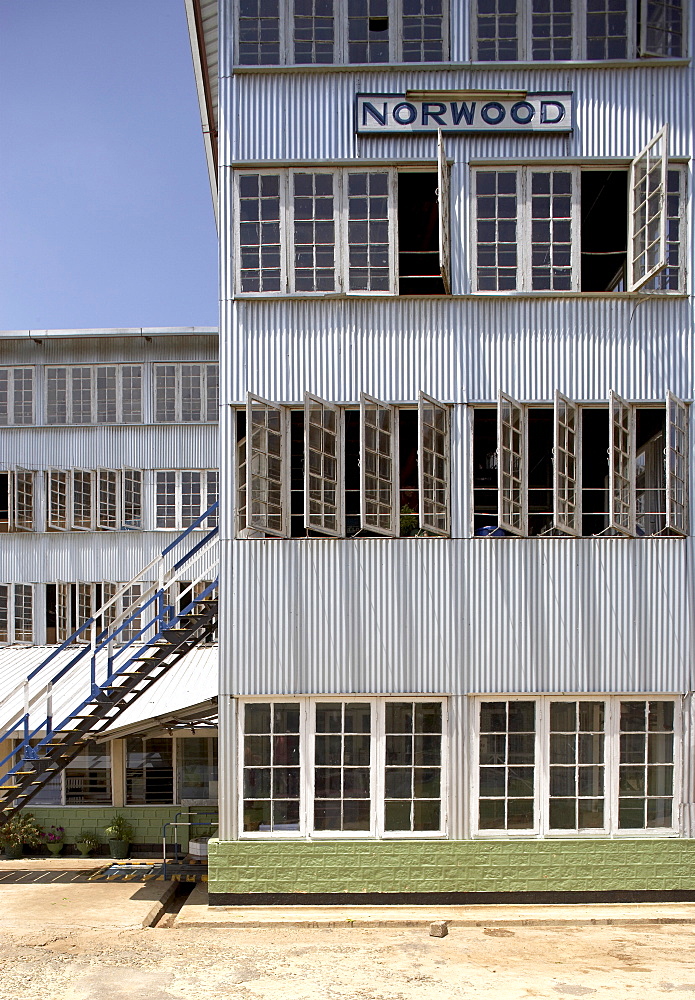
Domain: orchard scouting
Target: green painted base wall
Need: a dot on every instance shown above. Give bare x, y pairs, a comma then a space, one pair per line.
451, 866
147, 821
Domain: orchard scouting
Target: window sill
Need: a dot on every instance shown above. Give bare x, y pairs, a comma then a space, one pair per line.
468, 296
472, 65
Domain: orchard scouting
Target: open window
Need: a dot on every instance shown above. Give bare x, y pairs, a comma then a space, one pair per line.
620, 468
266, 461
17, 500
324, 232
379, 469
589, 229
59, 498
444, 204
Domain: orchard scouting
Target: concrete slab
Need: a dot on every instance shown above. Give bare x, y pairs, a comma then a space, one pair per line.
195, 912
31, 907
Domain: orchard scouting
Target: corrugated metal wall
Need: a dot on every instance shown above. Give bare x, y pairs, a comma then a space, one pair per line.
473, 615
460, 349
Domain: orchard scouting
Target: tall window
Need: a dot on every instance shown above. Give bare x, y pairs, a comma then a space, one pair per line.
509, 30
17, 500
559, 765
336, 767
186, 393
16, 397
94, 394
322, 32
16, 613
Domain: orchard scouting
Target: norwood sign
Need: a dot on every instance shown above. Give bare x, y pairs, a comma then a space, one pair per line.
379, 113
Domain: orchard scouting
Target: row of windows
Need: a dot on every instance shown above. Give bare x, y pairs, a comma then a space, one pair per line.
379, 767
387, 231
272, 32
566, 469
158, 771
110, 394
52, 613
105, 499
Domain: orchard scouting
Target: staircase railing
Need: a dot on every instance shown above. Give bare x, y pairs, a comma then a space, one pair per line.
115, 639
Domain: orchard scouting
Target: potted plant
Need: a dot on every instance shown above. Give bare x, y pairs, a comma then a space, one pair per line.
54, 838
120, 834
88, 842
21, 829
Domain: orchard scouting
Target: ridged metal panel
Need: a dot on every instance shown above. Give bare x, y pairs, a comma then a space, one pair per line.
90, 556
110, 446
106, 350
476, 615
460, 349
296, 116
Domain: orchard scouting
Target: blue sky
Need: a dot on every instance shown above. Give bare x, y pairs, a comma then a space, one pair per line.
105, 211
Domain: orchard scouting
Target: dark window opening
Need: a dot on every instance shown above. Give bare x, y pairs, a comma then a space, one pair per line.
604, 210
484, 471
351, 429
297, 529
540, 471
51, 626
149, 771
409, 505
594, 424
419, 268
650, 473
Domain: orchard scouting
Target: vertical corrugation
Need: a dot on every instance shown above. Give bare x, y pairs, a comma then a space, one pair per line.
461, 349
460, 616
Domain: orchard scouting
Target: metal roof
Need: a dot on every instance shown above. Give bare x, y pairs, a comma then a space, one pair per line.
203, 33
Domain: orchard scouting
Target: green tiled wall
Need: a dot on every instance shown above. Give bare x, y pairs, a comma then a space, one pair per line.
451, 866
147, 821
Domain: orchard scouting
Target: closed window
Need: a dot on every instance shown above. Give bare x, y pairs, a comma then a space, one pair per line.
323, 32
565, 229
620, 469
563, 766
183, 496
16, 397
555, 30
16, 613
343, 767
17, 500
342, 471
149, 771
342, 231
186, 393
94, 394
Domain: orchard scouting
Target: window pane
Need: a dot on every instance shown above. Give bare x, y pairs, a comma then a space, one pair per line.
88, 779
413, 734
606, 29
551, 29
497, 30
165, 393
197, 768
368, 232
576, 765
314, 233
496, 202
271, 785
106, 395
664, 28
551, 230
191, 393
166, 500
81, 388
212, 393
506, 789
259, 233
646, 765
149, 771
259, 32
342, 776
56, 395
368, 31
131, 394
23, 613
671, 278
313, 31
422, 31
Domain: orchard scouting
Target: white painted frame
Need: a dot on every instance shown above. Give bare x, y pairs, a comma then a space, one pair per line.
394, 529
622, 502
517, 521
257, 522
428, 402
11, 593
178, 496
646, 161
444, 208
338, 483
93, 370
643, 51
677, 453
56, 476
8, 414
340, 35
178, 392
307, 732
541, 828
567, 445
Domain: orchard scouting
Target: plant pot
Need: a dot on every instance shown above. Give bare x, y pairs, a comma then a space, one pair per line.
119, 848
14, 851
83, 848
55, 848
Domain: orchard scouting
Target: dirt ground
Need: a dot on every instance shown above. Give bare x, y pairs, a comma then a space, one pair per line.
640, 962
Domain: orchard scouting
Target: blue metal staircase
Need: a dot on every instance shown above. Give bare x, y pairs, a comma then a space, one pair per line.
120, 657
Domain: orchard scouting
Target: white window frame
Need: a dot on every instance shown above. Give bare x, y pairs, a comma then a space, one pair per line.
340, 39
14, 405
21, 483
677, 464
567, 451
654, 157
97, 479
94, 412
636, 42
428, 519
367, 401
178, 367
178, 496
13, 595
307, 732
257, 458
541, 828
622, 499
312, 521
517, 521
340, 221
444, 209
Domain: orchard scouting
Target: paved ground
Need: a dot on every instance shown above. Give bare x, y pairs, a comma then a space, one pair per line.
85, 942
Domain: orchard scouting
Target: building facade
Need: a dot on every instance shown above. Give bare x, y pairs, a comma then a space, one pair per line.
108, 451
456, 374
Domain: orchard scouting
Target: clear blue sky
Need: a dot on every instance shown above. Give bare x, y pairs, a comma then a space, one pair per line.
105, 211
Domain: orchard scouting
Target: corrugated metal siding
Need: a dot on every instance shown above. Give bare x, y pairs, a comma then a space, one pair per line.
90, 556
296, 116
111, 446
458, 350
476, 615
52, 350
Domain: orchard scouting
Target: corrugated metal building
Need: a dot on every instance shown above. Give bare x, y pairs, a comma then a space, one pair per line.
456, 374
